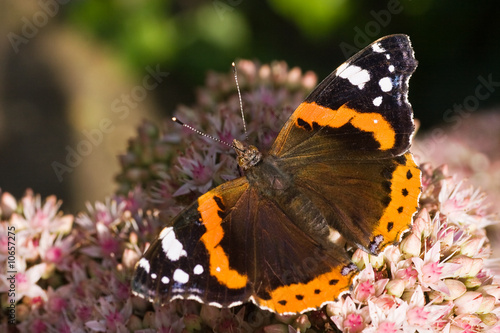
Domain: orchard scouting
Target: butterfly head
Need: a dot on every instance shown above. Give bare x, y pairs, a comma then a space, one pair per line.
247, 155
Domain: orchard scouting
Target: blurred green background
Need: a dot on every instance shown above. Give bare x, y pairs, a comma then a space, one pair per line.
68, 64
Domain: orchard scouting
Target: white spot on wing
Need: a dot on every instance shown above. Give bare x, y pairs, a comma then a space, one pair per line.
377, 101
378, 48
172, 248
165, 280
385, 84
144, 263
391, 68
180, 276
153, 276
218, 269
388, 56
164, 232
198, 269
341, 68
356, 75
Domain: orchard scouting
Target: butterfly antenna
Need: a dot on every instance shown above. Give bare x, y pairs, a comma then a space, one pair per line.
201, 133
241, 102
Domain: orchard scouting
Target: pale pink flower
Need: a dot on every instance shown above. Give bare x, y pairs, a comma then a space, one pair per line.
390, 321
431, 271
112, 317
108, 214
106, 243
366, 286
55, 248
422, 317
466, 323
458, 204
27, 245
406, 273
37, 217
197, 170
25, 282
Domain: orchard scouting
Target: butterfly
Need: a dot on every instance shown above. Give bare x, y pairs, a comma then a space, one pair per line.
339, 173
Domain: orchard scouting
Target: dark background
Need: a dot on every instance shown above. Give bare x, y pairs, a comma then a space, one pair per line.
62, 78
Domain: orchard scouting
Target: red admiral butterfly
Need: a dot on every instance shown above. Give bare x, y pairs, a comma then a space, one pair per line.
339, 172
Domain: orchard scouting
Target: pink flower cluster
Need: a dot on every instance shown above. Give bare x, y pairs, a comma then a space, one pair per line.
70, 274
436, 279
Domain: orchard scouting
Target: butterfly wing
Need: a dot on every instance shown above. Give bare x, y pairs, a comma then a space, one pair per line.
346, 146
362, 104
186, 261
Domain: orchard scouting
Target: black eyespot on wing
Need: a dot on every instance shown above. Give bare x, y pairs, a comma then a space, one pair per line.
333, 282
390, 225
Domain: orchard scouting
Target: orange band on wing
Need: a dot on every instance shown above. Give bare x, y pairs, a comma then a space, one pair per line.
219, 261
372, 122
298, 297
405, 191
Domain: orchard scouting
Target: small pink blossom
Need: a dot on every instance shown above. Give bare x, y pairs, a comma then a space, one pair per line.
108, 214
37, 217
458, 204
197, 170
353, 323
387, 321
112, 318
431, 271
364, 290
25, 281
106, 244
55, 248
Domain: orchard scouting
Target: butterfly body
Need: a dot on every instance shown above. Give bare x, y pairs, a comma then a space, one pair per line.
339, 172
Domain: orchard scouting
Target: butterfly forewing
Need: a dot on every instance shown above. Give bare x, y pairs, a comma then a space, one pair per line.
345, 146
